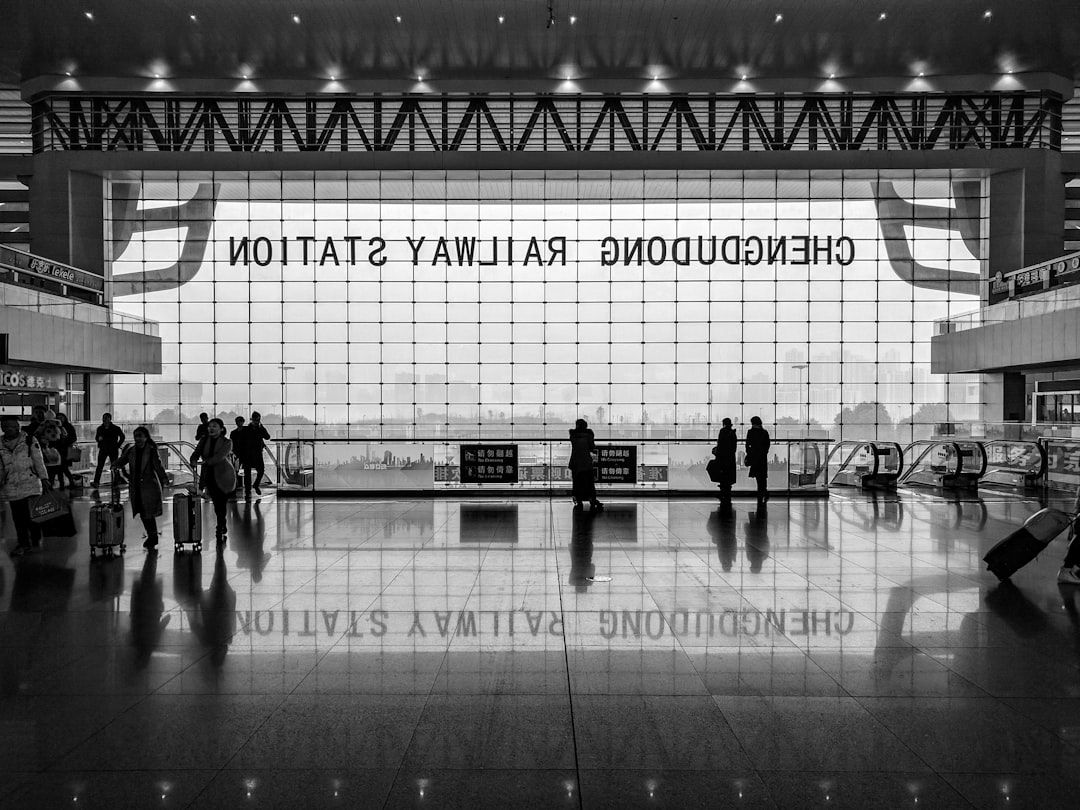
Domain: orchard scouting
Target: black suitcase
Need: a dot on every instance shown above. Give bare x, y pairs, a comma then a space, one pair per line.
1026, 543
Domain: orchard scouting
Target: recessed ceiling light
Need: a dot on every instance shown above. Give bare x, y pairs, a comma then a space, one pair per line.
88, 14
193, 18
157, 75
573, 19
921, 73
988, 15
779, 18
333, 78
398, 18
501, 18
296, 18
419, 78
882, 16
245, 77
67, 72
832, 75
743, 77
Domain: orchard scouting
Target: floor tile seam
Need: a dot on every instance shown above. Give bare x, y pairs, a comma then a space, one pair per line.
566, 652
412, 737
225, 766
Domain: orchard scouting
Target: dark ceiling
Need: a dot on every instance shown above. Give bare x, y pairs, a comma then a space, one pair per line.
622, 41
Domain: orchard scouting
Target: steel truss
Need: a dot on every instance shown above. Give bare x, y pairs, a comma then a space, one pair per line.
548, 123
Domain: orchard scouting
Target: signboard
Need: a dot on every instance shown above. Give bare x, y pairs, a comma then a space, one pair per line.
616, 464
1019, 456
1036, 278
29, 379
35, 265
489, 463
1063, 464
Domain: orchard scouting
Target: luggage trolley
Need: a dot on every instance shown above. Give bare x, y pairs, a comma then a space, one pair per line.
107, 524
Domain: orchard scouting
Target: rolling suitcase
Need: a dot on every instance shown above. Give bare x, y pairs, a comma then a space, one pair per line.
107, 524
187, 522
1025, 544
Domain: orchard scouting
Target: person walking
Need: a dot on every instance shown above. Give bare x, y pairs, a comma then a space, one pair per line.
37, 419
146, 481
68, 446
22, 478
757, 456
50, 438
726, 445
582, 471
251, 454
217, 478
109, 438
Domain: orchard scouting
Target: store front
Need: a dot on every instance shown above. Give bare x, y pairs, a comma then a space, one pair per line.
23, 388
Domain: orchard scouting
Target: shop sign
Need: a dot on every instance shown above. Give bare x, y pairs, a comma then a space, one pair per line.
616, 464
26, 380
63, 273
489, 464
1036, 278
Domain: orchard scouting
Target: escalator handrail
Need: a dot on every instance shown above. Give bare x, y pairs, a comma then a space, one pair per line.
982, 451
858, 445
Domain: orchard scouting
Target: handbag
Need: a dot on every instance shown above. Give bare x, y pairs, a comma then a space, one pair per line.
74, 453
51, 456
47, 506
714, 470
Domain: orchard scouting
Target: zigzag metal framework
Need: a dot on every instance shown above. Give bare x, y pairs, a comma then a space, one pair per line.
549, 123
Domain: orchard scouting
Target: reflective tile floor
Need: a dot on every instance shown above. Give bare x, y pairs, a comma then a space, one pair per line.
841, 653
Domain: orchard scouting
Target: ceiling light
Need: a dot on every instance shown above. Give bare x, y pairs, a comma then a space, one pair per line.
832, 75
779, 18
88, 14
296, 18
501, 18
244, 77
157, 75
743, 77
333, 78
193, 18
882, 16
419, 78
921, 74
988, 15
573, 19
398, 18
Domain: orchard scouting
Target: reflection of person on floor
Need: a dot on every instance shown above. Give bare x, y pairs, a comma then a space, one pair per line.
757, 537
147, 605
215, 622
250, 538
582, 569
721, 528
582, 471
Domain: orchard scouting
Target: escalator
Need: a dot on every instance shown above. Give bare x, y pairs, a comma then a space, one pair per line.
866, 465
945, 464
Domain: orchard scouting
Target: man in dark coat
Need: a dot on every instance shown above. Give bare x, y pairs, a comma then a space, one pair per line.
251, 454
757, 456
726, 444
109, 438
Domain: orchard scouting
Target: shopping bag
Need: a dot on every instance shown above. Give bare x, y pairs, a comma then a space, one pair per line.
74, 453
47, 506
714, 470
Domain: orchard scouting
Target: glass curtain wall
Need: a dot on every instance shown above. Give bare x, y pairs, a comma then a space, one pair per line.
506, 305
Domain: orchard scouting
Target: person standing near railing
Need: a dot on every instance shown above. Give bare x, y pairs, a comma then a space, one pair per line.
109, 438
757, 456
